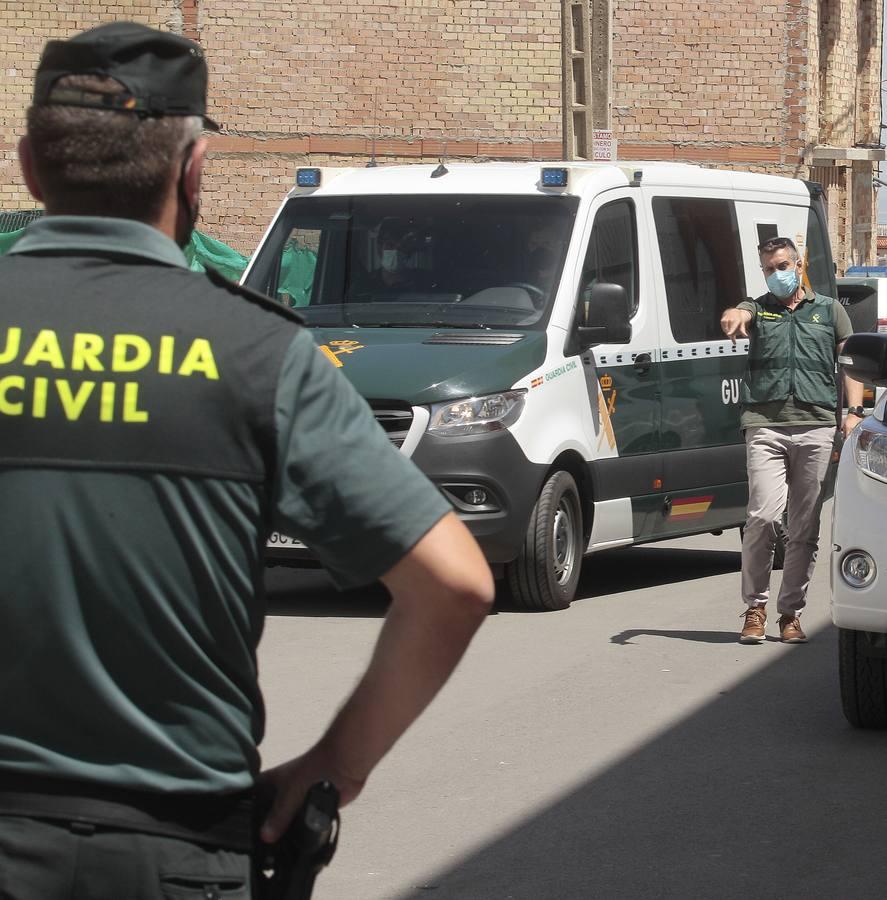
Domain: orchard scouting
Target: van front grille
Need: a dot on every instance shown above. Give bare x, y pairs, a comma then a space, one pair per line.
394, 417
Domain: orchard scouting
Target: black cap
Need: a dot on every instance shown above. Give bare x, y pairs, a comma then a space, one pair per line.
163, 74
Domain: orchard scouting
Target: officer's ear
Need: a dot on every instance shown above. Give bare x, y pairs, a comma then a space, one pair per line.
26, 161
194, 170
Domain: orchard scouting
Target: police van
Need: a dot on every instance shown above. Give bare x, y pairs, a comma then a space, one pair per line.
544, 340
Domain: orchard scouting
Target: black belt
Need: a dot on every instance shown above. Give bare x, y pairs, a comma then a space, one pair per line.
217, 820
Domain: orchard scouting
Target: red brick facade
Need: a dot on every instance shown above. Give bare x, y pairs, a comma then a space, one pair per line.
756, 84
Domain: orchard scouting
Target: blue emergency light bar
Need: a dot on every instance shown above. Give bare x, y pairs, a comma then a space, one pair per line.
554, 177
307, 177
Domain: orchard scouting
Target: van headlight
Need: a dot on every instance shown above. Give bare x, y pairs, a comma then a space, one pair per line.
870, 452
477, 415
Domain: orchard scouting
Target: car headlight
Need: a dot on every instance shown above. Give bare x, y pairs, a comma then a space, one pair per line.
870, 452
477, 415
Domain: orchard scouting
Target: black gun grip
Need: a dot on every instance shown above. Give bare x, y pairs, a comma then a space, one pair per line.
287, 869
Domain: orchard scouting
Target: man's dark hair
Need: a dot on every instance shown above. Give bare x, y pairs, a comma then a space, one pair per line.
105, 162
771, 245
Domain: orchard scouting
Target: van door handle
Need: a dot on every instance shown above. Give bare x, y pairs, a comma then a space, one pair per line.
643, 363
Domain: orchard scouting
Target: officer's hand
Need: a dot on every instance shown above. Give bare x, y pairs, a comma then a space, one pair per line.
289, 784
734, 323
850, 422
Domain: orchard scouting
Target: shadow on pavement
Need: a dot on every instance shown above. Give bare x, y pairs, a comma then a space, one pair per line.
635, 568
764, 794
702, 637
310, 592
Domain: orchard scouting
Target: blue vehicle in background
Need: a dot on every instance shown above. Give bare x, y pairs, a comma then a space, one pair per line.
867, 271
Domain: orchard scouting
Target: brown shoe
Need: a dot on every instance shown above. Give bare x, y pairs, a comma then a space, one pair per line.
755, 621
790, 630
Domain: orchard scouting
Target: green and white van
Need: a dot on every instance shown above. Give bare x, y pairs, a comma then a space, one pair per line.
543, 340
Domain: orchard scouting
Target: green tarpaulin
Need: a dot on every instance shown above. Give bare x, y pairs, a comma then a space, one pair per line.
203, 251
296, 264
8, 238
296, 274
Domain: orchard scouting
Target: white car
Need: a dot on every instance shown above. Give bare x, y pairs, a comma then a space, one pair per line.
859, 550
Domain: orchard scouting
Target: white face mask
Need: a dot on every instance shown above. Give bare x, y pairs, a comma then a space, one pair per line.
390, 260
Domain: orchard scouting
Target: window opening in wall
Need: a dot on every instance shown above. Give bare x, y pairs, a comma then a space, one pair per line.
767, 231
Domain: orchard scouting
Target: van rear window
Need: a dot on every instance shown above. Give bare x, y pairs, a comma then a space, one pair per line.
413, 261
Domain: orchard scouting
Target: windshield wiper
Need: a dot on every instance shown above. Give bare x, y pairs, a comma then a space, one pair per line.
434, 324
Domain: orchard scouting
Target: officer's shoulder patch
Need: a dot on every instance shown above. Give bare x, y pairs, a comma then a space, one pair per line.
260, 299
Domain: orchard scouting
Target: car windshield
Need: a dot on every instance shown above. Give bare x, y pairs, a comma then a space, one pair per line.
418, 261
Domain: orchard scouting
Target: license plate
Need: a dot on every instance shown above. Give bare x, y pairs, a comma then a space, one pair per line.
276, 539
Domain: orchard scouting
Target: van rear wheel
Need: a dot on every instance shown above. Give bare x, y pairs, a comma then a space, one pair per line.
545, 574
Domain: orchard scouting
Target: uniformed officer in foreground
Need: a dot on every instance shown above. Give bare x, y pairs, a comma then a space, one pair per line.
154, 425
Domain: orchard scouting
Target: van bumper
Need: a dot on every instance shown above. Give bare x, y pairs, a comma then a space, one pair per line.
495, 465
458, 466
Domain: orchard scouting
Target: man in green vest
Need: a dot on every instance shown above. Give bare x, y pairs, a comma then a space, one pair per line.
789, 401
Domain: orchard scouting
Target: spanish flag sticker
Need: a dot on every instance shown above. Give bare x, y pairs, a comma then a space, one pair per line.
690, 508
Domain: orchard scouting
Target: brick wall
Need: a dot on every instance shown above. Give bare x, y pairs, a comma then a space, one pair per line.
848, 72
318, 82
25, 26
756, 84
721, 83
740, 83
415, 68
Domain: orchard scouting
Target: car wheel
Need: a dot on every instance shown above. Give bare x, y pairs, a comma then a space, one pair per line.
863, 680
545, 574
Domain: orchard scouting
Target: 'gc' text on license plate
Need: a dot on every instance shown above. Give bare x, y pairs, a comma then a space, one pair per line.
276, 539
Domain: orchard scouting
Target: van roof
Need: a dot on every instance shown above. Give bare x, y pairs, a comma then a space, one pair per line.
525, 178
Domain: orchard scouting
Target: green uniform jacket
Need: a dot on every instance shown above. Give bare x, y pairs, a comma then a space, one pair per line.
155, 424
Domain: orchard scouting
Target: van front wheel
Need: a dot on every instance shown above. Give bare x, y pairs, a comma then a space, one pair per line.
545, 574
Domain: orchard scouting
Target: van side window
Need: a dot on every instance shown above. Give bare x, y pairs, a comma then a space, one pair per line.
612, 254
701, 263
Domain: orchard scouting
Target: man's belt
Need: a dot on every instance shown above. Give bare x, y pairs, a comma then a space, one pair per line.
216, 820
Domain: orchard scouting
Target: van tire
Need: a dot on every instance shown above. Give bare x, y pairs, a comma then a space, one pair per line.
545, 574
863, 679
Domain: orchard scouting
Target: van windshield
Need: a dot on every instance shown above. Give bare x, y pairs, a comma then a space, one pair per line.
418, 261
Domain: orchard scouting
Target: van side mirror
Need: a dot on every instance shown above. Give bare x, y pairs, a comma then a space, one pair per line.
603, 317
864, 358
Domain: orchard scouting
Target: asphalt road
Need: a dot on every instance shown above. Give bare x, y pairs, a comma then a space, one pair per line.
628, 747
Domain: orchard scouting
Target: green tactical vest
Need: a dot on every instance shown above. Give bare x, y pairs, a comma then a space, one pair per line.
792, 353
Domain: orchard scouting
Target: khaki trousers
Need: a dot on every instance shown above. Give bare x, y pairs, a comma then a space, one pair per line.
784, 465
